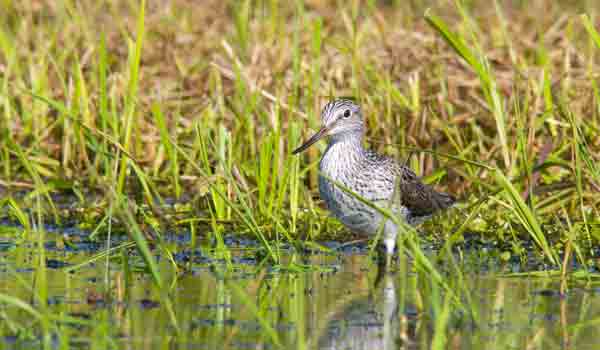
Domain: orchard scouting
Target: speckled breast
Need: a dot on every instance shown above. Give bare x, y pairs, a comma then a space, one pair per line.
353, 213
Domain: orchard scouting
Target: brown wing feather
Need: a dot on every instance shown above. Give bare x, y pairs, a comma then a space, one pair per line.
421, 199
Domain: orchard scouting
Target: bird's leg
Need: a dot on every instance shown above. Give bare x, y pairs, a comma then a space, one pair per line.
390, 233
385, 259
382, 266
390, 245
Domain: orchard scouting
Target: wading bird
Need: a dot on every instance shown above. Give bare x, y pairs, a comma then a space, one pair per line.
379, 179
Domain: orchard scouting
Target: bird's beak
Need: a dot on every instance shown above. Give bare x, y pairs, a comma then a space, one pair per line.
316, 137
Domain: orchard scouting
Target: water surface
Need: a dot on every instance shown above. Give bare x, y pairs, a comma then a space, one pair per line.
326, 300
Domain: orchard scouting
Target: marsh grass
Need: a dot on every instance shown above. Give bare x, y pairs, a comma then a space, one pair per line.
202, 102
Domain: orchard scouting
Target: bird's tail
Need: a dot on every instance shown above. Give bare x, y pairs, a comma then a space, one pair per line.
443, 200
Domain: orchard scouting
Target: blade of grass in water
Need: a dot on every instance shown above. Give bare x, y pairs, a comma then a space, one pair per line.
100, 255
526, 216
16, 210
250, 304
141, 243
18, 303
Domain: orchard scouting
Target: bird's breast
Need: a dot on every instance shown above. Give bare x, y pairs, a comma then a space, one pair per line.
346, 169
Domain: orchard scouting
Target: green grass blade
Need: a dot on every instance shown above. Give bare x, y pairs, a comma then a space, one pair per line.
141, 242
589, 27
129, 114
525, 216
18, 303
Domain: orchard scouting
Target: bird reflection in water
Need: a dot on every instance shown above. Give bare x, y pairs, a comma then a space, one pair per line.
371, 322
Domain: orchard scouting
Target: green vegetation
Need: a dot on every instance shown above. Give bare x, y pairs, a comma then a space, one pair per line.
163, 117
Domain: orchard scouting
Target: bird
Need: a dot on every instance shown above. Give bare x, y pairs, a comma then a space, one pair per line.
379, 179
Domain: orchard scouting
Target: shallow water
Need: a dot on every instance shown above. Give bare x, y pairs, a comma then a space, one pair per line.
341, 301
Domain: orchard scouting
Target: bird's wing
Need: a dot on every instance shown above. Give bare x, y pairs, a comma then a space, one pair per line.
420, 199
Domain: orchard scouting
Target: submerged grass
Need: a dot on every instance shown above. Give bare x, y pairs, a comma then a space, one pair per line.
131, 105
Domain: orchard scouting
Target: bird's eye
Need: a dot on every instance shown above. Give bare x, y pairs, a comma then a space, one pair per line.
347, 113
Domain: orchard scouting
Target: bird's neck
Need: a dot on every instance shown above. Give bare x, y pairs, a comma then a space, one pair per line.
347, 141
343, 150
